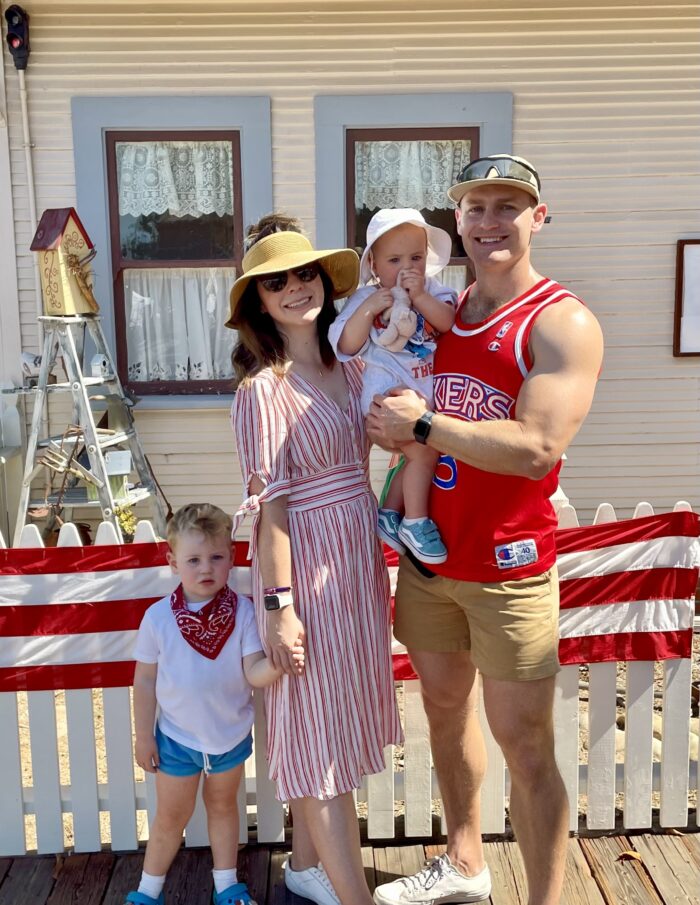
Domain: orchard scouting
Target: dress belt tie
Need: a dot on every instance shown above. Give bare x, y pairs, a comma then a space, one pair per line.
339, 484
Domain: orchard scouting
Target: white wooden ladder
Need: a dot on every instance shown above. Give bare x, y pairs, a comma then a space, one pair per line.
101, 389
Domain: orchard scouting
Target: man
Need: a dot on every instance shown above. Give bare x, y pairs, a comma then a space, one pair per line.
513, 382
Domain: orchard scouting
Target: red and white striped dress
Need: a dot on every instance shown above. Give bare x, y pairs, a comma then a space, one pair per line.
328, 727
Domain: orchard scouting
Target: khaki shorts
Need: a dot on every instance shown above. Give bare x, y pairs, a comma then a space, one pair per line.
511, 628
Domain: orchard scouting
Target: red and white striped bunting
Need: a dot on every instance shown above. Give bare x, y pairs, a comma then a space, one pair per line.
628, 589
69, 615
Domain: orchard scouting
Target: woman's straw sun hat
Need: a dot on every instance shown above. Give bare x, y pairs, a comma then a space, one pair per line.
286, 251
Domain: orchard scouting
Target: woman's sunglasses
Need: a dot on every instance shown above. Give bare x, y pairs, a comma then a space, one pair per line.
278, 281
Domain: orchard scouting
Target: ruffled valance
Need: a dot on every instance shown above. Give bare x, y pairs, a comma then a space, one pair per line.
407, 173
181, 177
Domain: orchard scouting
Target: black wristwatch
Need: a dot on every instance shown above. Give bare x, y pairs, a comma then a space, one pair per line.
421, 429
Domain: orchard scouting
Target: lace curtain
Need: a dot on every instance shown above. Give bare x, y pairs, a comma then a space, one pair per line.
407, 173
175, 323
455, 277
181, 177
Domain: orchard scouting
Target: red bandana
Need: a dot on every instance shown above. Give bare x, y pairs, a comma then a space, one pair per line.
208, 630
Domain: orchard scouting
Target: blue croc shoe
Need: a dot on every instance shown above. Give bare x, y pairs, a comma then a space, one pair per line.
233, 895
140, 898
423, 540
388, 521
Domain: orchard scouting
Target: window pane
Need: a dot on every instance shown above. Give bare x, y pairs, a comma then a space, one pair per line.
163, 237
175, 323
456, 277
175, 200
416, 174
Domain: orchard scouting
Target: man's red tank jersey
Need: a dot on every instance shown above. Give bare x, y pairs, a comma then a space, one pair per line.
495, 527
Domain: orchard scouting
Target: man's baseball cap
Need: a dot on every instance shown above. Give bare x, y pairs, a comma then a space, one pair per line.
497, 169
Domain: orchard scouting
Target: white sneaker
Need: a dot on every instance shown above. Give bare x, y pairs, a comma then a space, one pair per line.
438, 882
312, 883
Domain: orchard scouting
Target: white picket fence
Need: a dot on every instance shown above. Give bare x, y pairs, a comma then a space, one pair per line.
35, 810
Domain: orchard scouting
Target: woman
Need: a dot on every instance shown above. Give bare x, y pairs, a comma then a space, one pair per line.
318, 570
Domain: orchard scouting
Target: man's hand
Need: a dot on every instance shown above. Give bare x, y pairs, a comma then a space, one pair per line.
146, 751
285, 635
391, 418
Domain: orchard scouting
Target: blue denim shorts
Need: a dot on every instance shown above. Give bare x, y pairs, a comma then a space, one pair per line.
179, 760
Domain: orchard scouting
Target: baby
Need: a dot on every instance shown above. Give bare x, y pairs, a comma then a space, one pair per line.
197, 655
398, 267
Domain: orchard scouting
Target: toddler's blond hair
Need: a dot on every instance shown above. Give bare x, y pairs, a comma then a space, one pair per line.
204, 517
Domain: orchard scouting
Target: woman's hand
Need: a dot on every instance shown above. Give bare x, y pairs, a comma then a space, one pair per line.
285, 635
146, 751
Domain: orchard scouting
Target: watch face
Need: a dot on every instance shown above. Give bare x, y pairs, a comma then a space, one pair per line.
272, 602
421, 428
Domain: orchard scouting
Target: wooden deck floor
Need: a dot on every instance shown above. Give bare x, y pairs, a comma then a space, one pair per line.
666, 871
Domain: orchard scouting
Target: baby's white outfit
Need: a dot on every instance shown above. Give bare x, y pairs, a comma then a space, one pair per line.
411, 367
204, 704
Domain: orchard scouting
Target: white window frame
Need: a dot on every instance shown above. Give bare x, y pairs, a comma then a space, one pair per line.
93, 116
491, 112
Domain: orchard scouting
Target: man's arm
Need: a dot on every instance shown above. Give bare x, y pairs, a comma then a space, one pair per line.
566, 344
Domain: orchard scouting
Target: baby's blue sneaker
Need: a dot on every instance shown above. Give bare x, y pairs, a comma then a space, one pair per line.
140, 898
388, 522
233, 895
423, 540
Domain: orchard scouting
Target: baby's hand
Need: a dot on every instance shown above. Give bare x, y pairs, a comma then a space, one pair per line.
378, 302
414, 284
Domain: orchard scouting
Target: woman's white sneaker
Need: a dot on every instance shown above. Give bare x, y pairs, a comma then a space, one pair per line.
439, 882
312, 883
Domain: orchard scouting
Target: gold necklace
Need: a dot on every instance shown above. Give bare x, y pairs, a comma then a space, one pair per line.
320, 371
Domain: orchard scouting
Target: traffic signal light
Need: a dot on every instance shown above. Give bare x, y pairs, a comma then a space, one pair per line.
18, 35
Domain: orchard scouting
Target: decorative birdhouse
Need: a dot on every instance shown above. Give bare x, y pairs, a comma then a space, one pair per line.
65, 252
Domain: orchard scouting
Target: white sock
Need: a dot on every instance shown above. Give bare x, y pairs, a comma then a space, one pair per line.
415, 521
224, 878
150, 885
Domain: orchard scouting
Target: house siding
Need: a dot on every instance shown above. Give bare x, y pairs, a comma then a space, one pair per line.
605, 103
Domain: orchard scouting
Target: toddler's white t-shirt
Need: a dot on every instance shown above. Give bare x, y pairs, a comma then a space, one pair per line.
204, 704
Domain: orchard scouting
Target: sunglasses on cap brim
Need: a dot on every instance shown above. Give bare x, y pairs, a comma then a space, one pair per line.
277, 281
506, 167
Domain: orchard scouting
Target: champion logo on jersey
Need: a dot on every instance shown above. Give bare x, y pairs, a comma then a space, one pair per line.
518, 553
470, 399
494, 346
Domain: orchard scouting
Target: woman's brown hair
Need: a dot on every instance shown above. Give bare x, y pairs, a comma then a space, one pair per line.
260, 344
